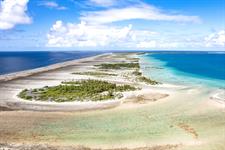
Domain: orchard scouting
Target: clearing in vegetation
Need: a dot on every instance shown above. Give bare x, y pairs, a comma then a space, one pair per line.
95, 73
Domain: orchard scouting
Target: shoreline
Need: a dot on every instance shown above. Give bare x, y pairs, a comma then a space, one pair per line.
19, 104
16, 103
163, 116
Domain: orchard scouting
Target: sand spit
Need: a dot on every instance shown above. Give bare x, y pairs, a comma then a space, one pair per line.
53, 106
27, 73
48, 147
53, 75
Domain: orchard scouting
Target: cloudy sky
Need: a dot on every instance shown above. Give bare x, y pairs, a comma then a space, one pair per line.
112, 25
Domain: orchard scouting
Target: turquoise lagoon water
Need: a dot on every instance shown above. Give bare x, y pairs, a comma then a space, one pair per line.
194, 69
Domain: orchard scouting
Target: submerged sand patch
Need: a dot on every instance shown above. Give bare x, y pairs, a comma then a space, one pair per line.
188, 129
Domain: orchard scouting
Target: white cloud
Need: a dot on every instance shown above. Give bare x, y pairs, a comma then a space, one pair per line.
83, 35
144, 44
96, 30
104, 3
13, 12
52, 4
143, 11
169, 45
216, 39
157, 45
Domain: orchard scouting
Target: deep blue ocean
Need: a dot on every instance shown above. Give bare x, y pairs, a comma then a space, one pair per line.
206, 65
19, 61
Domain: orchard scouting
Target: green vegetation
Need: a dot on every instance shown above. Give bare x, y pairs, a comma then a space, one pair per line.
118, 65
137, 73
23, 94
142, 78
147, 80
95, 73
77, 91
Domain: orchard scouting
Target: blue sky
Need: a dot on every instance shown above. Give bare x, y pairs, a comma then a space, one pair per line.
112, 25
